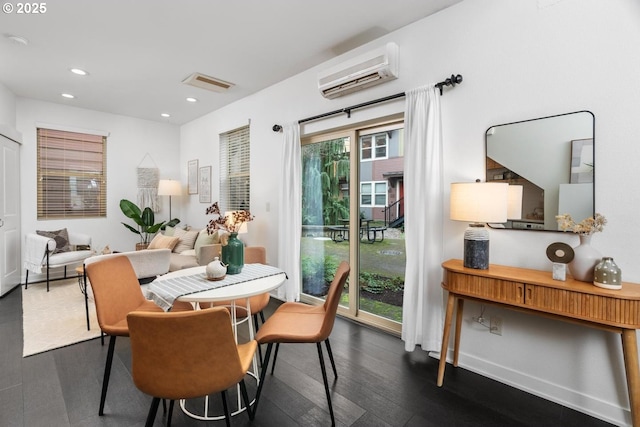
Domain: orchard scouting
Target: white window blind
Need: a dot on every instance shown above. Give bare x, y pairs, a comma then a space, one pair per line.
72, 175
234, 170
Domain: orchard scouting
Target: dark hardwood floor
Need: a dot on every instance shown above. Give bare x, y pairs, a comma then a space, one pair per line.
379, 384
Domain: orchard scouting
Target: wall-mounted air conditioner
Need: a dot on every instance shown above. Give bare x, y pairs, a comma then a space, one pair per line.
369, 69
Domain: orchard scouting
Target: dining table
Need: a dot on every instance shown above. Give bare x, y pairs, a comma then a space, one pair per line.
192, 285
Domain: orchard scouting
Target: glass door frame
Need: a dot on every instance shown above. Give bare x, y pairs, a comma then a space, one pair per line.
353, 312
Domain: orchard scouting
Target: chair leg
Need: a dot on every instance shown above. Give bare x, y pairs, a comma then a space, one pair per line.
333, 364
255, 329
170, 413
107, 373
262, 375
255, 322
86, 297
275, 356
245, 399
26, 280
227, 416
326, 382
151, 416
47, 275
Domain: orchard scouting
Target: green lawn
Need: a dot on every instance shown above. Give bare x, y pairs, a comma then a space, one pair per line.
382, 265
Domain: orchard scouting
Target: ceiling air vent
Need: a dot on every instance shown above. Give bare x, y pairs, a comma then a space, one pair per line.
205, 82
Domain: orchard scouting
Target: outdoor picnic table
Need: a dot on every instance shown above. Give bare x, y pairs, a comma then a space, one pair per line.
340, 233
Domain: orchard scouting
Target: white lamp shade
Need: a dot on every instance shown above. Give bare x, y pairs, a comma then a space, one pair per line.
479, 202
514, 200
243, 228
169, 187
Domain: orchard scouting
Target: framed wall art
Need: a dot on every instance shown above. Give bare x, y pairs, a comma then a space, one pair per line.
192, 182
204, 182
581, 161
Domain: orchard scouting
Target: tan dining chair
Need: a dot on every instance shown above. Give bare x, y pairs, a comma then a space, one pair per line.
117, 292
295, 322
172, 357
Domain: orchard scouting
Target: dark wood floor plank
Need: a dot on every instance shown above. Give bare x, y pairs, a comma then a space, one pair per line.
11, 406
379, 384
43, 401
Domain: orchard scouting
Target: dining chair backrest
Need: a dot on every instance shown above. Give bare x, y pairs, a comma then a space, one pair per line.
255, 254
185, 354
116, 290
333, 298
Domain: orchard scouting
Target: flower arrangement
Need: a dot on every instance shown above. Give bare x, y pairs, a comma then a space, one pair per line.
587, 226
230, 222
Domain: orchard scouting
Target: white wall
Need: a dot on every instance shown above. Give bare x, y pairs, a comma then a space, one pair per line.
128, 142
8, 114
520, 60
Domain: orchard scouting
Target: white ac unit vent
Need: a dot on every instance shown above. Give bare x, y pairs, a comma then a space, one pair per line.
206, 82
370, 69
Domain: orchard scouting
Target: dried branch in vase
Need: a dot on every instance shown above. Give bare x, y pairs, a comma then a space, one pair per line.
230, 223
586, 226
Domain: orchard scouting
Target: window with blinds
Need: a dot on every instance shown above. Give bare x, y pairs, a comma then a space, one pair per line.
72, 175
234, 170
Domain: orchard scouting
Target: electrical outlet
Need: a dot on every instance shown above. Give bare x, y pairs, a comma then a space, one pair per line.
495, 325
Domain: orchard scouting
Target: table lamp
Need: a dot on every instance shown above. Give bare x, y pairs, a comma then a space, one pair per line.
478, 203
243, 227
169, 187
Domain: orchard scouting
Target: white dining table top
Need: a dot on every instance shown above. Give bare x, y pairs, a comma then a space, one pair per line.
230, 292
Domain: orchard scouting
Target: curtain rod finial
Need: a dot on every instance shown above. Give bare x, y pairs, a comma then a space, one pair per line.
276, 128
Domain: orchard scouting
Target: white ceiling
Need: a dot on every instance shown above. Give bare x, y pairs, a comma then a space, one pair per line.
138, 52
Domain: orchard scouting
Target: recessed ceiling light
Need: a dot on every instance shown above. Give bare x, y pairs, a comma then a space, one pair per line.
68, 95
18, 39
78, 71
165, 115
192, 99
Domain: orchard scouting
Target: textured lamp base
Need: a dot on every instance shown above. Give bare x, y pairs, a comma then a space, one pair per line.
476, 247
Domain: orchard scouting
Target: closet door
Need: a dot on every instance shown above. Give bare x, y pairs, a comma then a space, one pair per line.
10, 235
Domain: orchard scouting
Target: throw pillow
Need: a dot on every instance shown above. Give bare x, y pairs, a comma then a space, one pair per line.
163, 242
60, 236
206, 239
186, 239
168, 230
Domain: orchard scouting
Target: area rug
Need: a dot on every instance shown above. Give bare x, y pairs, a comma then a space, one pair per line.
56, 318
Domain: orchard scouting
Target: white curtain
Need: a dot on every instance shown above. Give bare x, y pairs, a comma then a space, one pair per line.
422, 308
290, 213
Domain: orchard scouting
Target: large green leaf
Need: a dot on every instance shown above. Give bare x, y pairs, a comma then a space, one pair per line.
130, 209
143, 218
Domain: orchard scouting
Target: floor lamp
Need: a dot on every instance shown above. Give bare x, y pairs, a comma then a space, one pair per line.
169, 187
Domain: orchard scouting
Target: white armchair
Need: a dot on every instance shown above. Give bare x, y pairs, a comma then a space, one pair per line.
40, 253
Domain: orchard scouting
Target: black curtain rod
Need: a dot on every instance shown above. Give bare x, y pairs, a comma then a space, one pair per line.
450, 81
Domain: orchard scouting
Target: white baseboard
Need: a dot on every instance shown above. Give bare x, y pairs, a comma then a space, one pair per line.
573, 399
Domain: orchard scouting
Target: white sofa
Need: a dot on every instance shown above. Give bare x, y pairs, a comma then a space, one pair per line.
189, 248
40, 253
147, 264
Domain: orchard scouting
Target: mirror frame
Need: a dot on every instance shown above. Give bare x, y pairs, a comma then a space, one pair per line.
487, 160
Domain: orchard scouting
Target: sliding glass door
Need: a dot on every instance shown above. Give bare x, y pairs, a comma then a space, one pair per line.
352, 210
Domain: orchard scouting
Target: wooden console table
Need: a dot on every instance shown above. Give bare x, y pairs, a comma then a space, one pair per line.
535, 292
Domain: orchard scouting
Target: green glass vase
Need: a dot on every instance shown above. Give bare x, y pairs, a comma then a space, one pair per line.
233, 254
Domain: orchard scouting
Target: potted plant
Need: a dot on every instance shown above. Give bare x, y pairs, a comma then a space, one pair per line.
145, 221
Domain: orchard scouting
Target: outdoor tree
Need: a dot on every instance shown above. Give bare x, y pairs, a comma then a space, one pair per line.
325, 166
